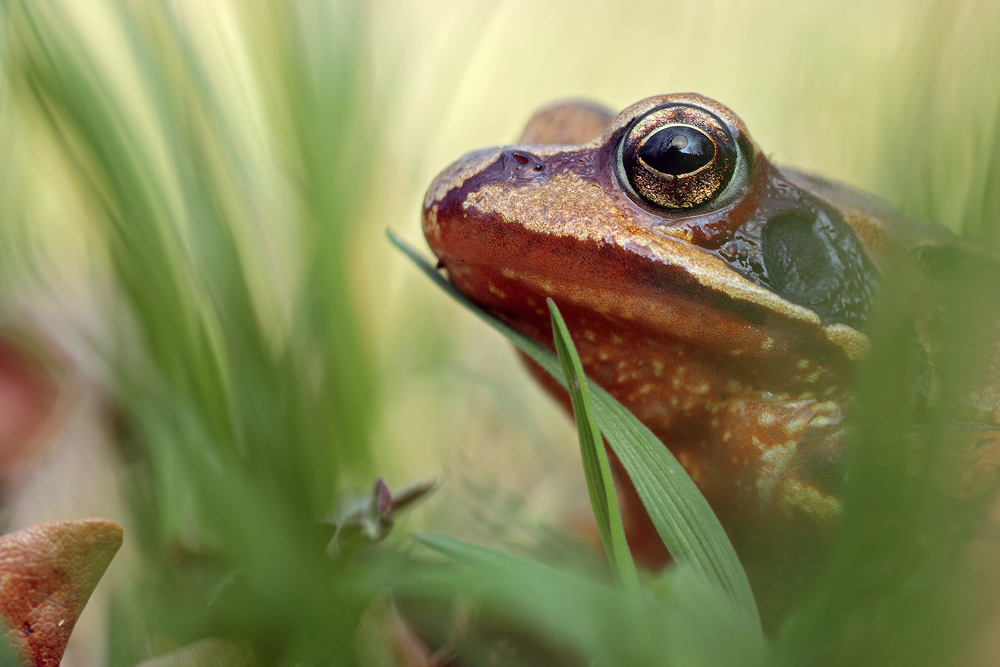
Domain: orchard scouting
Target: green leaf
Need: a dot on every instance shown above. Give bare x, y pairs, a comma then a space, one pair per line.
682, 516
590, 617
596, 468
8, 658
478, 557
708, 626
696, 624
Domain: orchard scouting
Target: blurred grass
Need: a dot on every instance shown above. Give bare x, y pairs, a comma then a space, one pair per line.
223, 172
246, 413
909, 580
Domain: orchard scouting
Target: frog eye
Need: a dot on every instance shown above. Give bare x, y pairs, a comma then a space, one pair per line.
678, 157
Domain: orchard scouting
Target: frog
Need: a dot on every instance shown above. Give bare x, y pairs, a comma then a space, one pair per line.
724, 300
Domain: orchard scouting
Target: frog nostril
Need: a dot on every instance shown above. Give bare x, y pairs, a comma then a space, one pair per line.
522, 165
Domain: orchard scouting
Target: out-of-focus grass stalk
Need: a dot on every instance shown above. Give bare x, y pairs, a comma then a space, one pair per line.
247, 428
936, 150
903, 584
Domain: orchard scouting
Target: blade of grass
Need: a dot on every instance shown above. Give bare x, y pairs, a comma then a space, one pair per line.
7, 655
476, 556
695, 623
682, 516
596, 468
231, 417
555, 604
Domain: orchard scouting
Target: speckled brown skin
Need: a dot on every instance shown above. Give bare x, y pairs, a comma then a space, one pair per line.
748, 389
47, 573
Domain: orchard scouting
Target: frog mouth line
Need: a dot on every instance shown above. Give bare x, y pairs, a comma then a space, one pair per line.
661, 281
593, 215
556, 219
660, 305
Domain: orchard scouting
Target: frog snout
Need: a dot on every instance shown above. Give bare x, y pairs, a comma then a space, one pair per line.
521, 165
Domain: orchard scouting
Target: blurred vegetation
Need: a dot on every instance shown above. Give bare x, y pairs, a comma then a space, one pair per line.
249, 394
214, 179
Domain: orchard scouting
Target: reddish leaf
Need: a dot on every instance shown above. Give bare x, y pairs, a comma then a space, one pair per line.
47, 573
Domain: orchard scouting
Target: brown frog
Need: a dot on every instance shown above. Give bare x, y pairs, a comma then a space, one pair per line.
720, 298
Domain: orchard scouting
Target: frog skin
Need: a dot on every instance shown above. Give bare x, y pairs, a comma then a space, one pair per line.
721, 299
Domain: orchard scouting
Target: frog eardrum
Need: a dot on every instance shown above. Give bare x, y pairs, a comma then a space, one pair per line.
677, 157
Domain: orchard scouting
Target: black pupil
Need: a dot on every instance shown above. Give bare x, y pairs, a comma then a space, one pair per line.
677, 150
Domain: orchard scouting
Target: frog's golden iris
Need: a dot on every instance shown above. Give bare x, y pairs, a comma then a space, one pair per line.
678, 157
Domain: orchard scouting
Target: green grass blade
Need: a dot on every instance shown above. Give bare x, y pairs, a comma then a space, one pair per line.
554, 604
7, 656
696, 624
682, 516
680, 513
478, 557
710, 623
595, 460
241, 417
